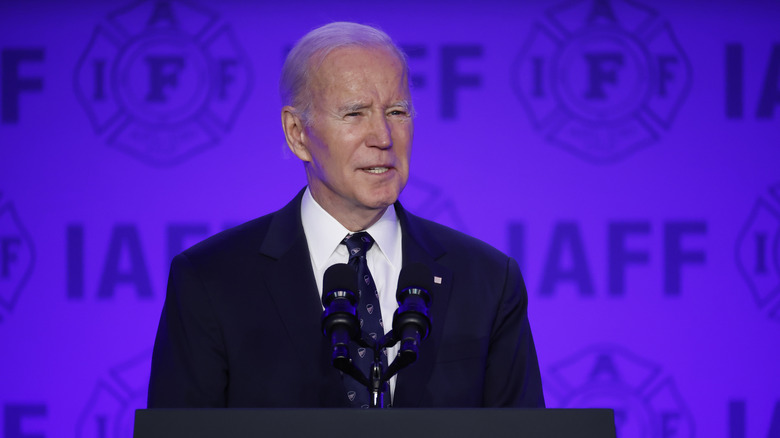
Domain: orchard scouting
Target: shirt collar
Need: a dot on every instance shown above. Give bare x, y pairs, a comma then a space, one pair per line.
324, 233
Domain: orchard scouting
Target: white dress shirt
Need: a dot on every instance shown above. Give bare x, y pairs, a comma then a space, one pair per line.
324, 235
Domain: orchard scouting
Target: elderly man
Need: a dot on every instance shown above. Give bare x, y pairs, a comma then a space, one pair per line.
241, 322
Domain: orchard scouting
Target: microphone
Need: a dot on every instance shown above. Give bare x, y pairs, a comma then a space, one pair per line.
412, 322
339, 319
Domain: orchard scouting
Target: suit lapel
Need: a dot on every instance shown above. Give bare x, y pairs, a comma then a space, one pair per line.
420, 247
291, 283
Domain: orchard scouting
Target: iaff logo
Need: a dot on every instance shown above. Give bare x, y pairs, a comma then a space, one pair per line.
162, 80
111, 408
758, 252
646, 402
17, 257
600, 77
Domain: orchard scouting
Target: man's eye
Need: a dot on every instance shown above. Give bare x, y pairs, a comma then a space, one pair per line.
352, 114
397, 113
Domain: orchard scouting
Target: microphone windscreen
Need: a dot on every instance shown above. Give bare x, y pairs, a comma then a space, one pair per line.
340, 276
415, 275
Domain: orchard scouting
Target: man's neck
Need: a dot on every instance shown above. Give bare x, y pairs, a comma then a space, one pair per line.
354, 220
357, 220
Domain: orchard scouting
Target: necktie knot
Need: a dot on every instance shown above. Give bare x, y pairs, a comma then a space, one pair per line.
358, 244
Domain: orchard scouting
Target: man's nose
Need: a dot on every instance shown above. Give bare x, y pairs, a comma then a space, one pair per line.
380, 135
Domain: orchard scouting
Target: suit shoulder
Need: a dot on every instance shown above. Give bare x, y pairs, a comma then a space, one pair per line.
243, 238
459, 243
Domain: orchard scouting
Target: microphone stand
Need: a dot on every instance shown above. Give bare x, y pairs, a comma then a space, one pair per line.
376, 382
411, 324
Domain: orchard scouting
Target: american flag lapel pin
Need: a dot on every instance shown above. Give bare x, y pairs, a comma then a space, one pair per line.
437, 279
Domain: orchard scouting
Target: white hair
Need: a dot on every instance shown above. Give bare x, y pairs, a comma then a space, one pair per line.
310, 51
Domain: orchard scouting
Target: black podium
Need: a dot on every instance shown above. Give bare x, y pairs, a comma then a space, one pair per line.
377, 423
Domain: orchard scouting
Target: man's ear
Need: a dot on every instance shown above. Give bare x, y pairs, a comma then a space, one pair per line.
295, 132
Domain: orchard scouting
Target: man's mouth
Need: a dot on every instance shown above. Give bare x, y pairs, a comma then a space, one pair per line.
376, 170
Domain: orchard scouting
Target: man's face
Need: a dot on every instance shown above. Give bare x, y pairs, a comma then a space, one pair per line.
360, 131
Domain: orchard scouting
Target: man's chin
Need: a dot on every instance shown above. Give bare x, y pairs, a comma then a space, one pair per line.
383, 196
381, 201
376, 206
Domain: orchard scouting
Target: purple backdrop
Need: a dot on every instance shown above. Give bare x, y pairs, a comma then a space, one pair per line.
626, 153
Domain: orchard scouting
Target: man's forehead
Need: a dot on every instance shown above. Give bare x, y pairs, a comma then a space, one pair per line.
358, 53
356, 70
356, 61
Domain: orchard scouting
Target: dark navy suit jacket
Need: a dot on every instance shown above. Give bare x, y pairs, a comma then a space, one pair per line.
241, 324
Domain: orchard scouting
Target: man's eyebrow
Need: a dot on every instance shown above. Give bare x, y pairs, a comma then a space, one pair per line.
405, 104
357, 106
352, 107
